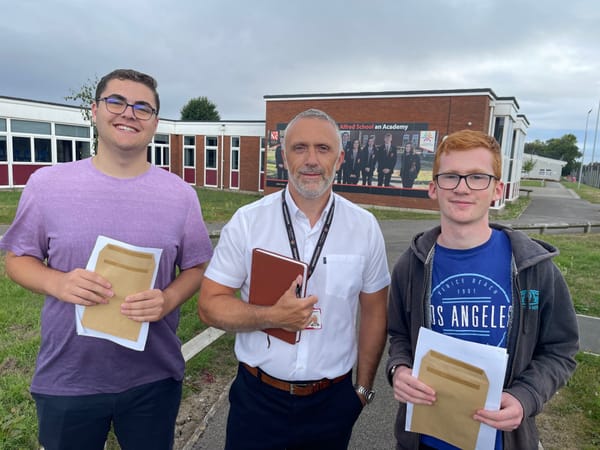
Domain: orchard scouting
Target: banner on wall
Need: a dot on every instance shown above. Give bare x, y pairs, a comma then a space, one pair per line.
377, 154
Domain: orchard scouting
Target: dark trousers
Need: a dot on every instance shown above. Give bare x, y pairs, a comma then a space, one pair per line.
262, 417
383, 179
143, 418
367, 177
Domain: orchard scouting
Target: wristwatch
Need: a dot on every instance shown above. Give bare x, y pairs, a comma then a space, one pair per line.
368, 394
391, 373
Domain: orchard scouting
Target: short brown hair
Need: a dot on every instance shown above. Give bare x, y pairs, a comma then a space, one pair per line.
131, 75
468, 140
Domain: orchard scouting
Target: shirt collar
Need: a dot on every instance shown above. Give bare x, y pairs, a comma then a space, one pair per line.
295, 211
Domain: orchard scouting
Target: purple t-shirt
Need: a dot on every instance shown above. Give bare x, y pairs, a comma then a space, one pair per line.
62, 211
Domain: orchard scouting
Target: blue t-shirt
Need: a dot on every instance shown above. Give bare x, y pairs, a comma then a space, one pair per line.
471, 298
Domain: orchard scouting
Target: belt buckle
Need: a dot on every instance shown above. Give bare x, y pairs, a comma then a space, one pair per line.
294, 386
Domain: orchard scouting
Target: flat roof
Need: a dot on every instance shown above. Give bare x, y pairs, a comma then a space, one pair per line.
383, 94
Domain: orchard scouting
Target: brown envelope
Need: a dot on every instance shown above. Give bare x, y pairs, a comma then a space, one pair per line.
461, 389
129, 272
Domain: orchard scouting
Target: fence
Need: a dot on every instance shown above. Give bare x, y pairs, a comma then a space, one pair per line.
590, 175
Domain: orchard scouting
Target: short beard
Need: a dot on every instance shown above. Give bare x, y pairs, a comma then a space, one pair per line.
309, 193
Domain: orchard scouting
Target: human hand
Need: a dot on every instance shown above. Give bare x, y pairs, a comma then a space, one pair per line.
408, 388
146, 306
292, 313
83, 287
508, 418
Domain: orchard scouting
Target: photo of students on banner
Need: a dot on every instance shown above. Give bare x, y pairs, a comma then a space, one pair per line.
386, 155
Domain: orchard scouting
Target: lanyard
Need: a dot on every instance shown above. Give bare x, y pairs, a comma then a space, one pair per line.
292, 235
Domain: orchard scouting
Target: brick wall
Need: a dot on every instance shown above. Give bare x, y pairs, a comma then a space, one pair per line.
444, 114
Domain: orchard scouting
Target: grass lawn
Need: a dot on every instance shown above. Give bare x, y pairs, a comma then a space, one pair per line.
589, 193
577, 406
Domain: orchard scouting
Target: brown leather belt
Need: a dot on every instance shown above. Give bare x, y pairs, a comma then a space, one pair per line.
301, 389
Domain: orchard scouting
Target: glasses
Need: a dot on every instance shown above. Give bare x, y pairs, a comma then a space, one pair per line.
475, 181
117, 105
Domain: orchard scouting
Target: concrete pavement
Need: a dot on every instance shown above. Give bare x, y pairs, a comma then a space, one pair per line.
552, 204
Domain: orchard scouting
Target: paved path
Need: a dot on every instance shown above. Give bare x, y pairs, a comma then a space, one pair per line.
552, 204
374, 428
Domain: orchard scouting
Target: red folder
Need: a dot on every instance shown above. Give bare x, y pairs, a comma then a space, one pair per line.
271, 275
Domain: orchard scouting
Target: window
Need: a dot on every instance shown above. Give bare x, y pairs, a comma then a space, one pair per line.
262, 154
161, 150
235, 153
211, 152
189, 151
21, 149
499, 129
82, 150
72, 131
42, 150
3, 151
64, 150
3, 143
28, 126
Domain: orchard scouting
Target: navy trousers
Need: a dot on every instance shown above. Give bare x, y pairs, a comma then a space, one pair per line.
262, 417
142, 417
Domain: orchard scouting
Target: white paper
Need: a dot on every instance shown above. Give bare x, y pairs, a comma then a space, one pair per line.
140, 343
492, 360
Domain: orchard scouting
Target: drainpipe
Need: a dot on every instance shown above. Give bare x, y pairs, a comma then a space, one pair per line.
222, 153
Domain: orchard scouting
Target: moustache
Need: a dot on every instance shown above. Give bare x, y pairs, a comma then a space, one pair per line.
311, 172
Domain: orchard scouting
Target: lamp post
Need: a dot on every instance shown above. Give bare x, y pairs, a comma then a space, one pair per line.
583, 152
596, 133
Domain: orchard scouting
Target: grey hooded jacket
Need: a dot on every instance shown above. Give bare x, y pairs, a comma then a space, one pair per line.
542, 336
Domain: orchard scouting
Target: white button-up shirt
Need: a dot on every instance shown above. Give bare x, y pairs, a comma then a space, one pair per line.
353, 260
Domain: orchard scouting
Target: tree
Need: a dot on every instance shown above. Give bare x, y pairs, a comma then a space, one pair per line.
564, 148
528, 166
85, 96
200, 108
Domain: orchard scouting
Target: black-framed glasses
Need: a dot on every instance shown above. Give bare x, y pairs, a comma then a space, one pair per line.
116, 104
475, 181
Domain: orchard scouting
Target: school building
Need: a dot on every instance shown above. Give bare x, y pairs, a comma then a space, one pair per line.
241, 155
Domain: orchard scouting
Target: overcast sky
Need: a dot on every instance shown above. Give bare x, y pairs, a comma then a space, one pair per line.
545, 53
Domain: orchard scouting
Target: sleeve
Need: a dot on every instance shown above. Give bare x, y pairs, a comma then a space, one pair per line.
377, 273
27, 233
552, 358
399, 323
196, 247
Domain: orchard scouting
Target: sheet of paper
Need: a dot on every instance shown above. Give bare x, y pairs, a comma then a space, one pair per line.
475, 368
130, 269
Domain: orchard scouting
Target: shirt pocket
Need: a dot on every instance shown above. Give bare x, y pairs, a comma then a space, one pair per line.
344, 275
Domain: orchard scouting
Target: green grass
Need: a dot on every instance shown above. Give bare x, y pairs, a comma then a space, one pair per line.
579, 264
532, 183
20, 313
19, 343
576, 406
589, 193
218, 205
8, 205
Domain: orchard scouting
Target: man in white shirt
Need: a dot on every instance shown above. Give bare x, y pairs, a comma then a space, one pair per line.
301, 395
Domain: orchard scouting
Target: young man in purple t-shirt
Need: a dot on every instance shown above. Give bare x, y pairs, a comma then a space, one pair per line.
82, 385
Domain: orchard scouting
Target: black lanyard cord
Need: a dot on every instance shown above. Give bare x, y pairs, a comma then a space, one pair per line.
292, 236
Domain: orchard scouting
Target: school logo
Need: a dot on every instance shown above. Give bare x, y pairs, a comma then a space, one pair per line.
530, 299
